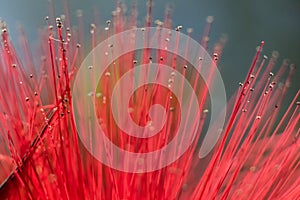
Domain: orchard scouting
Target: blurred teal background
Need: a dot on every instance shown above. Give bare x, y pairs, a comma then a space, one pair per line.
246, 23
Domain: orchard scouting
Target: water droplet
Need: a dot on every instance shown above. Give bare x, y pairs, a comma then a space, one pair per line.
209, 19
253, 168
130, 110
79, 13
52, 178
98, 94
189, 30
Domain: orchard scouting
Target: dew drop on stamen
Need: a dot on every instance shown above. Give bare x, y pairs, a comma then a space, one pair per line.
209, 19
52, 178
258, 117
275, 54
107, 74
178, 28
189, 30
79, 13
14, 65
253, 169
90, 94
158, 22
90, 67
100, 120
130, 110
206, 39
98, 94
27, 99
134, 61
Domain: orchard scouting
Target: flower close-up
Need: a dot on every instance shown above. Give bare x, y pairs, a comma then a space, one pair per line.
114, 100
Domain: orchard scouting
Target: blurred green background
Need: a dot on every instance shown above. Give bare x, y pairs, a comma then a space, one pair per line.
246, 23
